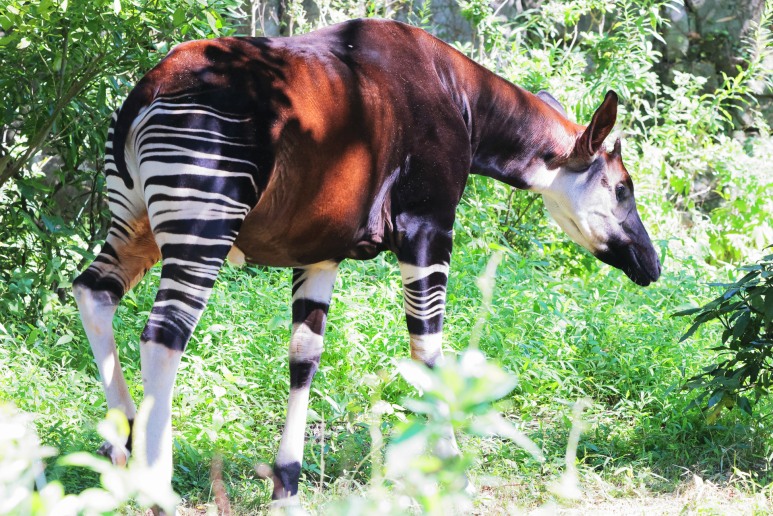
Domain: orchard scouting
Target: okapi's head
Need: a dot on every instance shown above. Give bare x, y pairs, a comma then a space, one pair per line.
591, 197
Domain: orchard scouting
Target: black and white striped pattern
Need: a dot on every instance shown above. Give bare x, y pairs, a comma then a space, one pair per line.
109, 272
424, 298
186, 181
189, 181
198, 183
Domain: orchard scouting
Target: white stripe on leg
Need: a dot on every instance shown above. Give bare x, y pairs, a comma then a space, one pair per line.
312, 289
97, 316
291, 446
427, 349
305, 345
316, 283
305, 348
411, 273
159, 370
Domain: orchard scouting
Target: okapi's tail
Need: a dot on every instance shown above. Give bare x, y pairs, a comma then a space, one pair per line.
139, 98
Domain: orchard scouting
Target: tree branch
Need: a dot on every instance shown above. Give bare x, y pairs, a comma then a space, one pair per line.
63, 69
6, 171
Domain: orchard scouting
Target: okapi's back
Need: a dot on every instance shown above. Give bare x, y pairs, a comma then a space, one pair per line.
324, 123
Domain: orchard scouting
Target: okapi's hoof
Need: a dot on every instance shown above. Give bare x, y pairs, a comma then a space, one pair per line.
282, 502
118, 456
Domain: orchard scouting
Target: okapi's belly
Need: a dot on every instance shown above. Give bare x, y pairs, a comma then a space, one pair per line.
314, 242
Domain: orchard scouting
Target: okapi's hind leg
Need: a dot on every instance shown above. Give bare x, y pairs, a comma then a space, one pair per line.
312, 289
129, 252
193, 251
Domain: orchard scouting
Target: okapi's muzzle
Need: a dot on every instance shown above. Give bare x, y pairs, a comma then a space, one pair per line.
633, 253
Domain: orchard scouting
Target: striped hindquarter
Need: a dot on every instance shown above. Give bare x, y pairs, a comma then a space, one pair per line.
181, 194
188, 183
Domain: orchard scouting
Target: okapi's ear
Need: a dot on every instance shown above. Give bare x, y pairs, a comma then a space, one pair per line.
552, 102
599, 127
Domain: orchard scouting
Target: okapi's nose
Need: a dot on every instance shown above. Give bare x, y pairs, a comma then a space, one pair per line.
644, 265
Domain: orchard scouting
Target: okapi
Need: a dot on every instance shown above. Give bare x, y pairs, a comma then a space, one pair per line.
300, 152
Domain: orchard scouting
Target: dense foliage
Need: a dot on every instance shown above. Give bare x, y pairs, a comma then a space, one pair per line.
64, 68
566, 326
745, 310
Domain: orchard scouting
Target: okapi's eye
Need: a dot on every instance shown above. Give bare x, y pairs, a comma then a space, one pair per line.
620, 193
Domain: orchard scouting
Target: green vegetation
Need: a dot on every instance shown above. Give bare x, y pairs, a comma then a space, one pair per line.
745, 310
565, 326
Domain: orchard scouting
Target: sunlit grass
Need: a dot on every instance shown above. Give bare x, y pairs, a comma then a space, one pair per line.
596, 335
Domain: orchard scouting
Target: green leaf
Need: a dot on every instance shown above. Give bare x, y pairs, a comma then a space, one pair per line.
768, 310
31, 223
64, 339
4, 41
698, 321
275, 322
716, 397
83, 252
43, 7
179, 16
212, 23
740, 324
743, 404
5, 23
746, 279
101, 96
689, 311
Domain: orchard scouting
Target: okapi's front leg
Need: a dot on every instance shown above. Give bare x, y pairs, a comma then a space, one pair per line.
424, 266
312, 289
424, 258
424, 298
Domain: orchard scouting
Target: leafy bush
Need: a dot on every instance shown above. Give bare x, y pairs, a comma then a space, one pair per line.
745, 310
21, 468
455, 396
65, 66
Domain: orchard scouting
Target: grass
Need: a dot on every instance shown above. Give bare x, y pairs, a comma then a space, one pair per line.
591, 334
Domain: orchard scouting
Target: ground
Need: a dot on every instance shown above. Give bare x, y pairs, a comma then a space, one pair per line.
692, 497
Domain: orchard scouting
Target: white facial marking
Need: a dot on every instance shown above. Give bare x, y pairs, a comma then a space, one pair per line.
581, 204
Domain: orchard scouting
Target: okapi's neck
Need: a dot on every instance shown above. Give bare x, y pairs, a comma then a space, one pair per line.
516, 137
